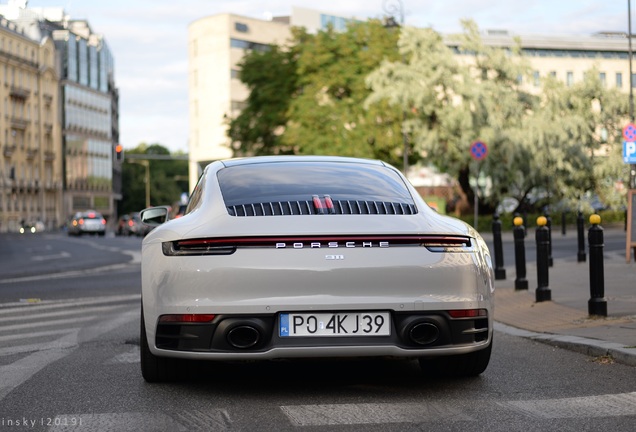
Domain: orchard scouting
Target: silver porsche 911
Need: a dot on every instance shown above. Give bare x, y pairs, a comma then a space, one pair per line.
304, 257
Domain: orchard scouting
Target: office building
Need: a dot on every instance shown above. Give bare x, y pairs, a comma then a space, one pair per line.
216, 44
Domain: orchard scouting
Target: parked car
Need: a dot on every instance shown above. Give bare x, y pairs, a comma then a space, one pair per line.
130, 224
292, 256
87, 222
27, 227
178, 211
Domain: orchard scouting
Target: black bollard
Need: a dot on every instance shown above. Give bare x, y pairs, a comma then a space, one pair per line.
581, 235
519, 232
543, 292
500, 271
563, 223
549, 225
597, 304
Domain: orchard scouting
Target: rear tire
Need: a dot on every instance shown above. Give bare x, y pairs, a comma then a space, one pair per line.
154, 369
463, 365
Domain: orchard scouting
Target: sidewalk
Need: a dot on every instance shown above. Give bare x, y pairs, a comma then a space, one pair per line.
564, 321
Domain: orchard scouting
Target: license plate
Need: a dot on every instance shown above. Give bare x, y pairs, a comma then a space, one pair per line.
335, 324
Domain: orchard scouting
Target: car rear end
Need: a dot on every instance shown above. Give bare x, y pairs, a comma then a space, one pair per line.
91, 223
357, 271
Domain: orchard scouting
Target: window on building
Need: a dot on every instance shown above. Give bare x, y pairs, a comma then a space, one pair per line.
619, 80
238, 43
238, 105
569, 80
633, 80
241, 27
603, 77
553, 74
535, 78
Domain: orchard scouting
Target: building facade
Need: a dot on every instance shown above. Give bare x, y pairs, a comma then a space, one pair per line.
216, 44
90, 132
31, 158
87, 108
568, 58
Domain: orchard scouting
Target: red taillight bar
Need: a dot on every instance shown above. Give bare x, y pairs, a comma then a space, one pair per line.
425, 240
468, 313
186, 318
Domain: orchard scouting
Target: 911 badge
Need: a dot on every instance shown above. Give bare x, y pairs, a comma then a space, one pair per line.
334, 257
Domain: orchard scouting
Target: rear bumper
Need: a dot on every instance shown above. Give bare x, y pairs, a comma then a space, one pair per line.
235, 337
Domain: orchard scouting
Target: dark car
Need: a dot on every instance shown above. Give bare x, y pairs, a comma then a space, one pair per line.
130, 224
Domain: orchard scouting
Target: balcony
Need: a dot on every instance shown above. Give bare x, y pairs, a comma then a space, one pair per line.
19, 123
49, 156
9, 149
19, 92
32, 152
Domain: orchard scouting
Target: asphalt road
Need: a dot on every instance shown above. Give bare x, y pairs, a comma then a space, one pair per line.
69, 360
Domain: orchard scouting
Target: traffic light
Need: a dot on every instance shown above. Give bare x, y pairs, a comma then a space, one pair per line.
119, 152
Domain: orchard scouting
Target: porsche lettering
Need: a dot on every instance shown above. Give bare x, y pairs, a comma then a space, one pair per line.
319, 245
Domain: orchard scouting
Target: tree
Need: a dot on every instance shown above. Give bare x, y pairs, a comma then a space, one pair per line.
168, 179
602, 113
307, 98
326, 116
543, 138
453, 101
271, 79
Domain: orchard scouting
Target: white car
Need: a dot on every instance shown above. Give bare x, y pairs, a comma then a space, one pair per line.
87, 222
301, 257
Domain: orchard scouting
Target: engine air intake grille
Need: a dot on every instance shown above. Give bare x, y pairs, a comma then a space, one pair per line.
312, 207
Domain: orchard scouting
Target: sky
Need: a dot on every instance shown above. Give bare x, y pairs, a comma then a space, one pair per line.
148, 39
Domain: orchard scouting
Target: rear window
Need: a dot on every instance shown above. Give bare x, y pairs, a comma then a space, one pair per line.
292, 182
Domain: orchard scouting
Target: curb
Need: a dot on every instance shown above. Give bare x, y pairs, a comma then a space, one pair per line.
591, 347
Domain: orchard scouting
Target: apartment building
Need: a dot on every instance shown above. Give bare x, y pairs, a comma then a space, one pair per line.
31, 158
86, 124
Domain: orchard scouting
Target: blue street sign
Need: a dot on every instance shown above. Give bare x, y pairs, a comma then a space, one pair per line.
629, 132
478, 150
629, 152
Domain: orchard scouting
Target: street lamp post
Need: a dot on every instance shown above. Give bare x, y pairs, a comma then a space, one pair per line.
146, 164
395, 8
632, 167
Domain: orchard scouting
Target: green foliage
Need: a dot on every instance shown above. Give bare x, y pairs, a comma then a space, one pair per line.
608, 218
271, 78
357, 92
326, 116
168, 179
307, 99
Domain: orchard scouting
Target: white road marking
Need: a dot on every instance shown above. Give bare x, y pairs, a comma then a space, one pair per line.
61, 255
15, 374
352, 414
131, 356
219, 419
610, 405
212, 420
